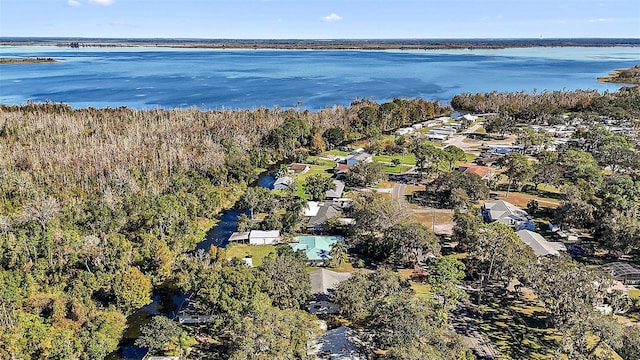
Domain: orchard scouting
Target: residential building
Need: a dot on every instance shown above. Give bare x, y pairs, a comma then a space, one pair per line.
540, 246
484, 172
507, 213
323, 284
337, 192
299, 168
627, 273
283, 183
317, 248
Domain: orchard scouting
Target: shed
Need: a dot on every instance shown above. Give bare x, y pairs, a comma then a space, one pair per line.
299, 168
259, 237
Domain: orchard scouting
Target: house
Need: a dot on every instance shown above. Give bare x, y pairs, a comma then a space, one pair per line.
283, 183
404, 131
326, 211
468, 117
192, 314
359, 155
338, 344
540, 246
317, 248
323, 284
626, 273
337, 192
508, 214
341, 170
299, 168
312, 209
259, 237
484, 172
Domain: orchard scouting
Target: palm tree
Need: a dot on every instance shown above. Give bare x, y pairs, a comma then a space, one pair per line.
339, 253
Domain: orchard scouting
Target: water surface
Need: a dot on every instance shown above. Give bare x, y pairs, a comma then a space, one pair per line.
149, 77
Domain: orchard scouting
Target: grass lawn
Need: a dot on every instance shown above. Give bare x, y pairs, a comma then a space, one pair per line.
422, 290
470, 157
426, 219
633, 293
318, 166
335, 152
521, 199
397, 169
480, 130
256, 252
404, 159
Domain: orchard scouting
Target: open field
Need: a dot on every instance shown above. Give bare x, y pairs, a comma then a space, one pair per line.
521, 199
256, 252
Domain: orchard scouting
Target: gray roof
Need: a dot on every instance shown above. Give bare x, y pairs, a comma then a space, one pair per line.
283, 182
500, 209
337, 193
339, 344
239, 236
539, 244
323, 280
326, 211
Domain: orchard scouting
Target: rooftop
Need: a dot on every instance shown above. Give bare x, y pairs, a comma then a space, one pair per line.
317, 248
540, 246
323, 280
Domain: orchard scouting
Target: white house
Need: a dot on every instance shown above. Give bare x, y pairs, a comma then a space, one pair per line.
259, 237
540, 246
508, 214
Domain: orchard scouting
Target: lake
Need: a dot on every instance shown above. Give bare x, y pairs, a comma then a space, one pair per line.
150, 77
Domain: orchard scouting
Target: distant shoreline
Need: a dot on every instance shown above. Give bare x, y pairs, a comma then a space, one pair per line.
339, 44
623, 76
27, 60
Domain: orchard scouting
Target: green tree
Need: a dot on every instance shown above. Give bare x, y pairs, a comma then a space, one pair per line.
453, 155
339, 253
407, 243
517, 169
317, 185
497, 256
159, 334
133, 290
333, 136
445, 276
291, 284
366, 174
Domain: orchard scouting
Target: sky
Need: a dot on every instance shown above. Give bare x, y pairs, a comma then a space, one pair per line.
320, 19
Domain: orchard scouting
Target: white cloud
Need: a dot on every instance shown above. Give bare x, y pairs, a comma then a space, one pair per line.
101, 2
332, 17
601, 20
74, 3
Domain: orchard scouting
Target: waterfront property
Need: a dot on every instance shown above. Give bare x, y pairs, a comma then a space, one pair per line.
317, 248
283, 183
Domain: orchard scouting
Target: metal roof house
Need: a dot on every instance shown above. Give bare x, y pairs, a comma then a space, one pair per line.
540, 246
282, 183
508, 214
317, 248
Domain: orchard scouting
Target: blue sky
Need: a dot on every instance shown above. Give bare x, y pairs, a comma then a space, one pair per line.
320, 19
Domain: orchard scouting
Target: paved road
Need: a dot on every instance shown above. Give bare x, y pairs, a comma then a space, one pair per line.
398, 190
464, 325
458, 140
